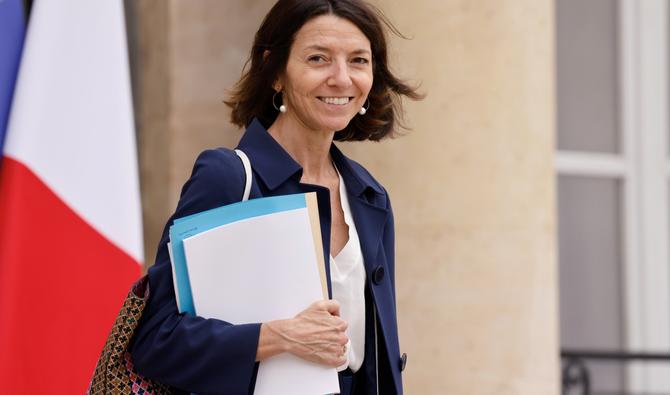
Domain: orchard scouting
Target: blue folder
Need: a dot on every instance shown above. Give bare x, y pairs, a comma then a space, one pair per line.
194, 224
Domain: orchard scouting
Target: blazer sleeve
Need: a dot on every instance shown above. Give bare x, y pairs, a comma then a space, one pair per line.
190, 352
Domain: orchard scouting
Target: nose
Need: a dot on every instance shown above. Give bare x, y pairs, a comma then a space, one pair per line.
340, 76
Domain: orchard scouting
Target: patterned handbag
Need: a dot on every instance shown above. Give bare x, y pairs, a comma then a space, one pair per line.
115, 373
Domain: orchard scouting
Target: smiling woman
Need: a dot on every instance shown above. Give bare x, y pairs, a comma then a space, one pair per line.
318, 73
328, 76
276, 44
327, 79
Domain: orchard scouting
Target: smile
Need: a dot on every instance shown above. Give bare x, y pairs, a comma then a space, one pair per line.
340, 101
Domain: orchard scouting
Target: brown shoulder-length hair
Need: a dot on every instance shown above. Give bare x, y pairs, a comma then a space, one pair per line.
253, 94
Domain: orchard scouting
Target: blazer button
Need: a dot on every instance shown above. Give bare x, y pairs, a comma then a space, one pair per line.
378, 274
403, 361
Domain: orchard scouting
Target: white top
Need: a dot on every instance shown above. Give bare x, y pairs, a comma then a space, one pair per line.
347, 278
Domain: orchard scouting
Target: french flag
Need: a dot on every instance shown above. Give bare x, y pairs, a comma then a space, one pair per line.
70, 215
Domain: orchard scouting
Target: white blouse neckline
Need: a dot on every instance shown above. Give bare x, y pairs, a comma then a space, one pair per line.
347, 274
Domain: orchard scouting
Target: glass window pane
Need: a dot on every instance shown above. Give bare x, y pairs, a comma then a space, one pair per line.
591, 305
587, 76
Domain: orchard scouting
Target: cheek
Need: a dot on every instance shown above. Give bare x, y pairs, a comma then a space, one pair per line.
299, 91
365, 83
365, 88
369, 86
294, 95
297, 82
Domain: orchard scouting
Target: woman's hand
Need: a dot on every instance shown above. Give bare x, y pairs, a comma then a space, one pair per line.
316, 334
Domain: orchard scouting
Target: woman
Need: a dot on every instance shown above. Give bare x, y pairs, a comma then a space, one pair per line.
318, 73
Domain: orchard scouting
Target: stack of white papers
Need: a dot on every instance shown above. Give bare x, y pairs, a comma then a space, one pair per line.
256, 261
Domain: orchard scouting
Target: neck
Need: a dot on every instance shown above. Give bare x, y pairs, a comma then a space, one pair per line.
310, 148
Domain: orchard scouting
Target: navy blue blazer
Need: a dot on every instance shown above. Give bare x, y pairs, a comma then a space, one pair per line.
209, 356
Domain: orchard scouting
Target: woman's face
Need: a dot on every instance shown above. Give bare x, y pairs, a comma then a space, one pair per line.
328, 74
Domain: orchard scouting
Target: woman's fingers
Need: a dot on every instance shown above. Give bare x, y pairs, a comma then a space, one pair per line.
343, 339
317, 334
337, 357
331, 306
326, 311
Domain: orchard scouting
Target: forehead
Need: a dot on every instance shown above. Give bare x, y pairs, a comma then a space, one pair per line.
331, 32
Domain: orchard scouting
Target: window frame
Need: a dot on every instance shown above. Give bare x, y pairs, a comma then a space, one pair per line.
643, 167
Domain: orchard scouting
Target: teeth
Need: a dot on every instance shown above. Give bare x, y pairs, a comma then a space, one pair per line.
335, 100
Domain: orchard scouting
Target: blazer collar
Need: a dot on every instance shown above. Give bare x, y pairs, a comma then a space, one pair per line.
275, 166
268, 159
357, 180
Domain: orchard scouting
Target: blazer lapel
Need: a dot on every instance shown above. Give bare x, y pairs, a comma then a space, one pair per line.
368, 206
369, 222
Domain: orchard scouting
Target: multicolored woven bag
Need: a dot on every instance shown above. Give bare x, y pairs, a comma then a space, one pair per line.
114, 373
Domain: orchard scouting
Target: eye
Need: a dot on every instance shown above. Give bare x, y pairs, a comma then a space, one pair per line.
316, 59
360, 60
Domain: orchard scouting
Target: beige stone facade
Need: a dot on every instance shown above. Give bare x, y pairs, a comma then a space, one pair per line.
472, 184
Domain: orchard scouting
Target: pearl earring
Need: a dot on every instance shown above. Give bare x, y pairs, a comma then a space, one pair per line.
282, 108
363, 110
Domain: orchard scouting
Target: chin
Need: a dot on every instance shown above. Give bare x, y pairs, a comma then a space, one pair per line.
336, 125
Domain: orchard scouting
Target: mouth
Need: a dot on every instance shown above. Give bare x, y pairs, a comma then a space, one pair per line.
336, 100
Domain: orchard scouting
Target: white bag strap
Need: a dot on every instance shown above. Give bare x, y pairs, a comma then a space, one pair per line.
247, 172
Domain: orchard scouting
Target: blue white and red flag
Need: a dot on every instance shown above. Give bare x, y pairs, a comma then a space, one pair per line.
70, 217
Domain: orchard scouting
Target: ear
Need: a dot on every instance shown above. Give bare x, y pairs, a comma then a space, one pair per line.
277, 86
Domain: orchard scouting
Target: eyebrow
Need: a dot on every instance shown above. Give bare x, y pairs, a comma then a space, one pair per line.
325, 49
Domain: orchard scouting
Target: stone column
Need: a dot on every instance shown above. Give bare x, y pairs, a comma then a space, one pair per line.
184, 55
